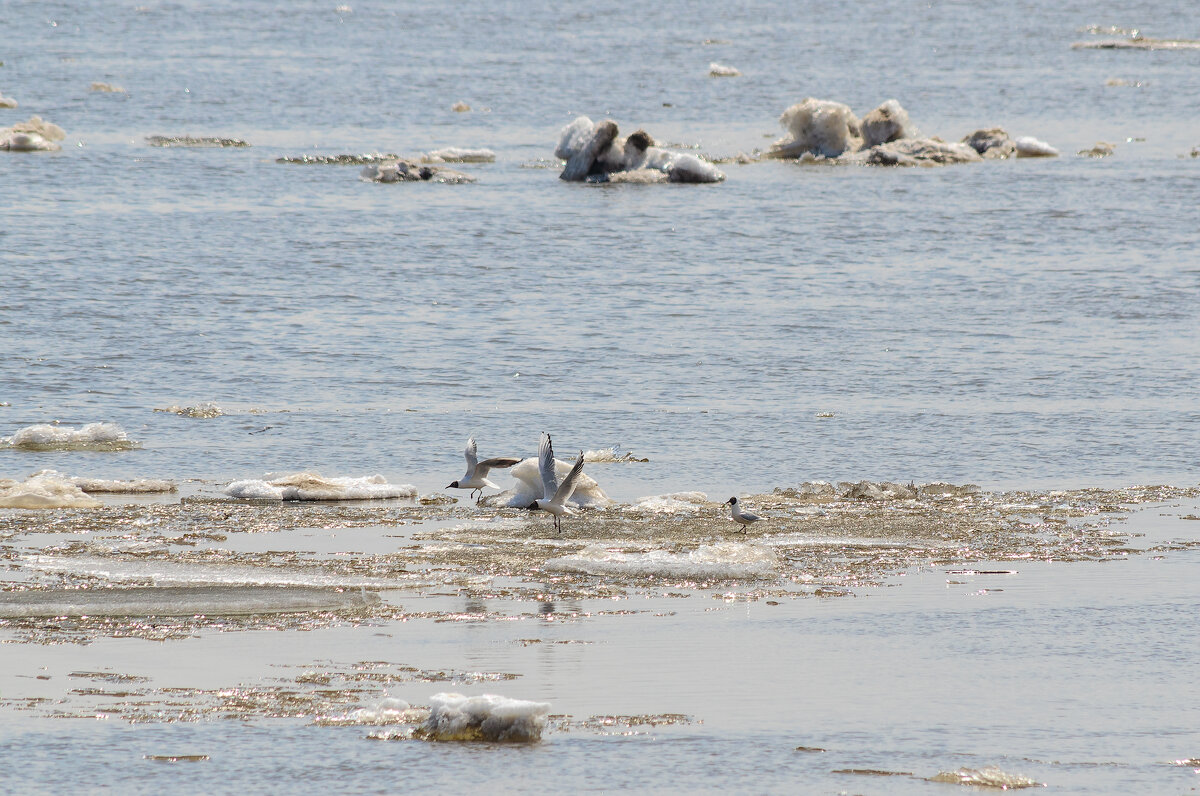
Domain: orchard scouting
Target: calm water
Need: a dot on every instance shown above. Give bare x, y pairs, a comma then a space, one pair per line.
1028, 323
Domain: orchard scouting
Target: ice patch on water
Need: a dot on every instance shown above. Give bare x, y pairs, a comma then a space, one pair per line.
454, 154
44, 490
674, 503
722, 561
311, 486
169, 573
106, 88
195, 141
35, 135
136, 486
990, 777
488, 717
177, 601
721, 70
595, 153
1030, 147
7, 102
821, 127
92, 437
402, 170
588, 493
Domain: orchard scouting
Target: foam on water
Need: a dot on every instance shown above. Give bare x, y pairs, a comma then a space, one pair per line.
721, 561
311, 486
487, 717
44, 490
91, 437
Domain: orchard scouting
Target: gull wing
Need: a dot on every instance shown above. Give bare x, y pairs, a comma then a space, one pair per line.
546, 467
472, 454
500, 463
568, 485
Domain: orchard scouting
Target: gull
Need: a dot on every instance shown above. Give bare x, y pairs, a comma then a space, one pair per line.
556, 494
743, 518
476, 478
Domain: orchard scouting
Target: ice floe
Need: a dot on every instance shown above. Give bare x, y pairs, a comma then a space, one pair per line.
201, 141
91, 437
721, 70
487, 717
402, 170
594, 152
991, 777
828, 131
312, 486
35, 135
45, 490
454, 154
1101, 149
7, 102
1137, 42
106, 88
1030, 147
208, 600
721, 561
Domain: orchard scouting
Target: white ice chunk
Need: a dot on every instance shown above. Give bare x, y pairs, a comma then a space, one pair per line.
821, 127
93, 436
45, 490
1030, 147
488, 717
311, 486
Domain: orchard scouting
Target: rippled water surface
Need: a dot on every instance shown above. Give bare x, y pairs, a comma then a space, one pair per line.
1017, 324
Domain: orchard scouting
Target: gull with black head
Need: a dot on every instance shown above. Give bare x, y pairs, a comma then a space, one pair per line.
556, 494
743, 518
477, 471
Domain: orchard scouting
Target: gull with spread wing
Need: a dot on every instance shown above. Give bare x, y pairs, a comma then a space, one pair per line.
556, 494
477, 471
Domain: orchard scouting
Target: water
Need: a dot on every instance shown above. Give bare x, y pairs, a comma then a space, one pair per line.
1017, 324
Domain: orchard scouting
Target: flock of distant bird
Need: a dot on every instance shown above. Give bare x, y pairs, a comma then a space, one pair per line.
555, 494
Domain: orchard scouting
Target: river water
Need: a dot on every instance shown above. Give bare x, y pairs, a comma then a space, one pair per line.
1022, 324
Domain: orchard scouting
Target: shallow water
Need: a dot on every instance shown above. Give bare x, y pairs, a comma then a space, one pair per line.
1023, 324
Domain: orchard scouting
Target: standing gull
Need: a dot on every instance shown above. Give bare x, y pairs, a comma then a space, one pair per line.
742, 518
556, 494
477, 471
